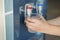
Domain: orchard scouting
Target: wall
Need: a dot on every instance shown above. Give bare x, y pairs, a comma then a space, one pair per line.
2, 22
53, 9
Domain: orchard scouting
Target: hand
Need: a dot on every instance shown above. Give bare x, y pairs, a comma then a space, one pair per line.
37, 25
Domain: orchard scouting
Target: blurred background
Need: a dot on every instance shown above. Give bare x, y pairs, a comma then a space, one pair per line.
53, 9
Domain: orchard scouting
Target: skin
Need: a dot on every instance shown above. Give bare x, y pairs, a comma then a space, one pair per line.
41, 25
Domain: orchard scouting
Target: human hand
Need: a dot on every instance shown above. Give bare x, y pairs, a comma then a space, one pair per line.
37, 25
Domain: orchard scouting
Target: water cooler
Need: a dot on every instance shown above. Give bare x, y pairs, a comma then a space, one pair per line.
20, 30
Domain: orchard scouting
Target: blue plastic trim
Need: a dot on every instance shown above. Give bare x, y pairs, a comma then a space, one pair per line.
40, 4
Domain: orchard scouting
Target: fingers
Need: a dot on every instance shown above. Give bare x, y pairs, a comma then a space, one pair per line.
30, 23
34, 28
31, 28
32, 20
36, 19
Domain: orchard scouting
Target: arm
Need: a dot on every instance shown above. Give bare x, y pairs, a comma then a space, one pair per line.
53, 30
55, 21
43, 26
54, 26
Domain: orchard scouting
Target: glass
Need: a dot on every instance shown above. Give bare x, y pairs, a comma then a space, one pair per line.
31, 13
37, 13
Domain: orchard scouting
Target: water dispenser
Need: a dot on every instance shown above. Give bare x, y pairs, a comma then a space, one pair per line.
22, 10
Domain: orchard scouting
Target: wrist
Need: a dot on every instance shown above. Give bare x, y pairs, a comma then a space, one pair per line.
53, 30
46, 28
